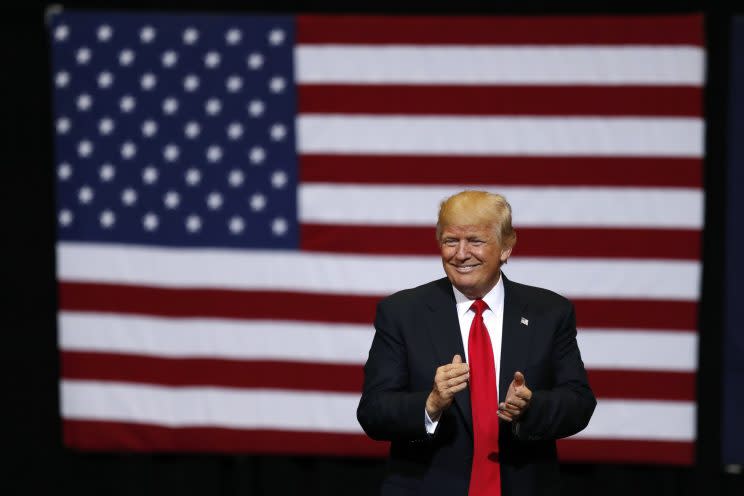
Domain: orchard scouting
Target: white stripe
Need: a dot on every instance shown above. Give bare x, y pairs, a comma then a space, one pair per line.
531, 206
610, 349
535, 65
349, 344
637, 420
359, 274
483, 136
321, 412
210, 406
215, 338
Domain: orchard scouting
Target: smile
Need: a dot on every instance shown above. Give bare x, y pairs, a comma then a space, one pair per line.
464, 269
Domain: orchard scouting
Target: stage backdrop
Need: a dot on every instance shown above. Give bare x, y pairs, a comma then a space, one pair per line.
236, 193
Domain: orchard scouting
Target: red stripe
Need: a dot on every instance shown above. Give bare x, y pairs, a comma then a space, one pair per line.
502, 100
624, 451
639, 314
679, 244
178, 372
212, 372
504, 171
216, 303
120, 436
642, 385
606, 30
163, 302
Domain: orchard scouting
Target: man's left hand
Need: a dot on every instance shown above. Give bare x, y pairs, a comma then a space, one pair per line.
517, 400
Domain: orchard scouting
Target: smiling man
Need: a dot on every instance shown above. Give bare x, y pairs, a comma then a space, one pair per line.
473, 377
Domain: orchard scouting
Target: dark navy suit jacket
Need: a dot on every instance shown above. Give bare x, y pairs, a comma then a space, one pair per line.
417, 330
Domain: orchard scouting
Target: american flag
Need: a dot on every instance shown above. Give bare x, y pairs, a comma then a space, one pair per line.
235, 193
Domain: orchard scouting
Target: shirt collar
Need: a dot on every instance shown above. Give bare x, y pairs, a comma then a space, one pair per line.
494, 299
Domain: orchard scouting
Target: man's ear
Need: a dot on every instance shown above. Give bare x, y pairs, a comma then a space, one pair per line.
505, 254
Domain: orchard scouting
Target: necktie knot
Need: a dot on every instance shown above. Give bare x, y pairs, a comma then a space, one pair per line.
479, 306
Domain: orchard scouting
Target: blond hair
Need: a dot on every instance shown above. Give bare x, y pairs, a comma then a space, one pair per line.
478, 208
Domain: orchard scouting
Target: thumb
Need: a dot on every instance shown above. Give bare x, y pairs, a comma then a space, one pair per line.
457, 359
518, 379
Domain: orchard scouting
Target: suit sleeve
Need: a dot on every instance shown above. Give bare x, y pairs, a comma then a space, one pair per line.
566, 408
388, 410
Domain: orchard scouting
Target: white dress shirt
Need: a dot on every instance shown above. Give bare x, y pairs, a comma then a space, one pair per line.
493, 317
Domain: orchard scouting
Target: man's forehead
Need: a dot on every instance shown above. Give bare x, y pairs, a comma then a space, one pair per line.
465, 229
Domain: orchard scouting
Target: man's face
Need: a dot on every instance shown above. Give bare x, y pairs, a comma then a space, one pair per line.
472, 258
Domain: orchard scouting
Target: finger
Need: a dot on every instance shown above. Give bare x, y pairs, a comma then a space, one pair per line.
518, 379
445, 382
503, 416
457, 362
517, 403
512, 410
441, 371
458, 388
456, 371
457, 366
523, 393
458, 380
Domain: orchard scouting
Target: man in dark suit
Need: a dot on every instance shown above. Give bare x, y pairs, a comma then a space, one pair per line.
486, 425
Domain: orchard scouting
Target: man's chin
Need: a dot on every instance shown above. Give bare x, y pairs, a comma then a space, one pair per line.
472, 287
465, 287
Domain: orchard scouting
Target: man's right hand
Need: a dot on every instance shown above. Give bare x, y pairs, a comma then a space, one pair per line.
449, 380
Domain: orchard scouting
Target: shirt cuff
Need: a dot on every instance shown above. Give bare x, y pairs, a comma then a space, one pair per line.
431, 425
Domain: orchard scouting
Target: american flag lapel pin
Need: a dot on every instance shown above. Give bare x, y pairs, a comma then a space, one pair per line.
525, 321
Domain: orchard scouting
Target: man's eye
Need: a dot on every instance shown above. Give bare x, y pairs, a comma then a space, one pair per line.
450, 242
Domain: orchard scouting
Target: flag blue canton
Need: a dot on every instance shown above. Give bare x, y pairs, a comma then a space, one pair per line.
175, 130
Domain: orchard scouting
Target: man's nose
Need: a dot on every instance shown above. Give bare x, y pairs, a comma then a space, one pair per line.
463, 253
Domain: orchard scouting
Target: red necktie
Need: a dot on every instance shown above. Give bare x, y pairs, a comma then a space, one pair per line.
485, 477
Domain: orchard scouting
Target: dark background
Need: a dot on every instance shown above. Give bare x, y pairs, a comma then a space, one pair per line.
35, 462
733, 374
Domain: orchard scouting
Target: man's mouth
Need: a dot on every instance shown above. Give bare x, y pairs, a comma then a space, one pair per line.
465, 269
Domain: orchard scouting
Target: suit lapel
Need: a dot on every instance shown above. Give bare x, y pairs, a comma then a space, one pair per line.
515, 337
447, 339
